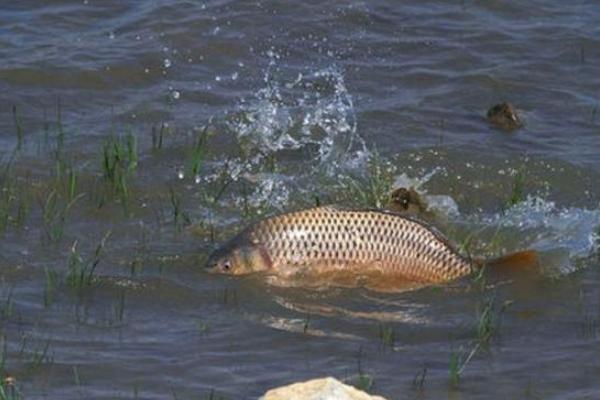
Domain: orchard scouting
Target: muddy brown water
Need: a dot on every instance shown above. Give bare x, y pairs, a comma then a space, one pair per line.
289, 102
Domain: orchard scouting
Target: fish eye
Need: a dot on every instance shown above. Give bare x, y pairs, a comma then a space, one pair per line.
226, 265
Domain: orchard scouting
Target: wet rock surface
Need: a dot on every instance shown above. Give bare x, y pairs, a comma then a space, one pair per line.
407, 201
318, 389
504, 116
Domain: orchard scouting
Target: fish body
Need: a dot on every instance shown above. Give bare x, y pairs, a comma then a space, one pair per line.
328, 240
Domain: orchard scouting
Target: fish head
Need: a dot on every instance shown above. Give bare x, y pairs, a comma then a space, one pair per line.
238, 257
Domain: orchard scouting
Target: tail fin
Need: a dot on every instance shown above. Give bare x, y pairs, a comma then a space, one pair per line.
524, 260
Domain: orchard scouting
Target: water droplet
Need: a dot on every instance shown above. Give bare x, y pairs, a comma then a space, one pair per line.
234, 76
167, 63
147, 70
180, 174
111, 35
218, 78
176, 94
197, 179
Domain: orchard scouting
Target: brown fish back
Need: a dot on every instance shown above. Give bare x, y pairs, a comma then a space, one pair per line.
367, 240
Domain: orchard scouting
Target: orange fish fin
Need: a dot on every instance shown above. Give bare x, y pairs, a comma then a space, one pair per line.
524, 260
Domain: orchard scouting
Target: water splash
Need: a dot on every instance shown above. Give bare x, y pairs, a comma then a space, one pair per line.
311, 115
314, 112
571, 230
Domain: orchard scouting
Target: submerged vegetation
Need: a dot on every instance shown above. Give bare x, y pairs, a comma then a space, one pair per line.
119, 162
372, 189
66, 188
517, 193
8, 384
80, 271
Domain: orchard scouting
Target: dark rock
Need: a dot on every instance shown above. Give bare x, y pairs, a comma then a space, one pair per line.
407, 201
504, 116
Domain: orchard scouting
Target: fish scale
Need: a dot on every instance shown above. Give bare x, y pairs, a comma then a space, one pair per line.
328, 238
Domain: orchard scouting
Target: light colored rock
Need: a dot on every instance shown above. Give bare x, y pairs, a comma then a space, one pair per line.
318, 389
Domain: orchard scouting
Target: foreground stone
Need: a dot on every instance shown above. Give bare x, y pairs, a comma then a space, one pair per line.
318, 389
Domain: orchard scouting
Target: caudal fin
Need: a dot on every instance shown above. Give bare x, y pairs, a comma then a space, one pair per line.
524, 260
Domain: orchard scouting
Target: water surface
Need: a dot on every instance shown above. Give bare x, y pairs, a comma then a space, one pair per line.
291, 103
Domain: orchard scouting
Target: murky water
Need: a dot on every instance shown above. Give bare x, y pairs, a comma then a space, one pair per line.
221, 112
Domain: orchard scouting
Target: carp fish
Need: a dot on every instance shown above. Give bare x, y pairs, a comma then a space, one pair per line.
329, 240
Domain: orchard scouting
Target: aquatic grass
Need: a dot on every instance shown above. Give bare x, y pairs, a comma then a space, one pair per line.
373, 189
454, 369
14, 201
60, 132
54, 214
157, 137
50, 286
490, 318
418, 382
364, 382
141, 253
487, 321
199, 152
306, 324
230, 296
76, 376
3, 354
46, 129
7, 197
119, 161
517, 193
212, 395
35, 356
80, 271
7, 306
487, 326
474, 243
119, 307
387, 336
8, 386
66, 178
590, 325
203, 326
9, 389
18, 127
180, 217
40, 356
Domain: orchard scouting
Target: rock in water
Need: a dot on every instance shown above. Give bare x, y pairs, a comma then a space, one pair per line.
318, 389
407, 200
504, 116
